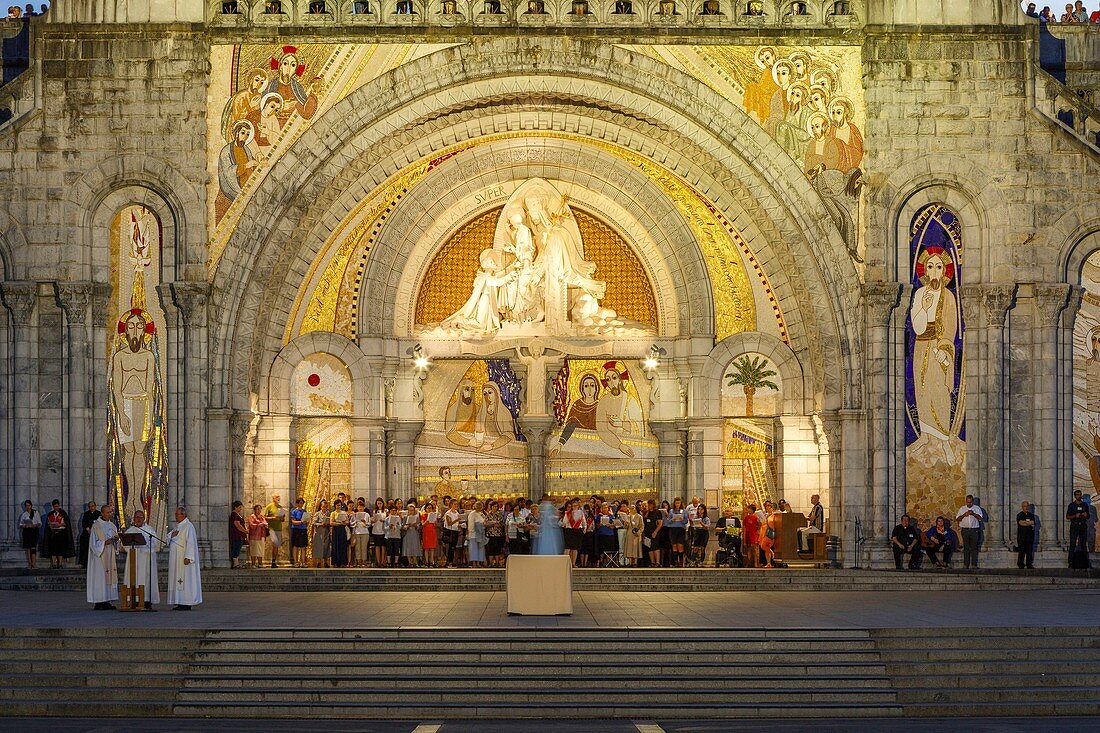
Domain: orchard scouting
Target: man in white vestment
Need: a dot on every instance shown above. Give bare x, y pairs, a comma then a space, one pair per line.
184, 581
145, 557
103, 561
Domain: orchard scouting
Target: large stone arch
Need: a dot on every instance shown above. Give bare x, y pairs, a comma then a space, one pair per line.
660, 237
805, 238
1077, 235
962, 187
12, 240
85, 199
276, 395
797, 389
98, 225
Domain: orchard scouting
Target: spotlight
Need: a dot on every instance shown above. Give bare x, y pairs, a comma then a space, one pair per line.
420, 359
651, 362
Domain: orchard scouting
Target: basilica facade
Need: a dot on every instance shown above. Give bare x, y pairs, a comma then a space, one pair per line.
738, 250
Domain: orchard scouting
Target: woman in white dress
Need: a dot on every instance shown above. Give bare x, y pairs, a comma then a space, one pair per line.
475, 535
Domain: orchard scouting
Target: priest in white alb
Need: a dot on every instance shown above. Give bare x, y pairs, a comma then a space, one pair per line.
184, 580
103, 561
144, 558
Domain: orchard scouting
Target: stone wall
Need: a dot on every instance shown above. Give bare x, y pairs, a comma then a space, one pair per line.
118, 117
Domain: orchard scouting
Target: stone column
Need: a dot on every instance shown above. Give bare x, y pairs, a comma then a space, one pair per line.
217, 492
884, 404
974, 359
997, 299
1050, 300
97, 378
536, 430
670, 459
242, 455
368, 457
191, 300
75, 299
21, 299
400, 451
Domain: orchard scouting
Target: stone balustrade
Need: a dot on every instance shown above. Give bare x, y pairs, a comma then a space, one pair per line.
1067, 108
17, 98
539, 13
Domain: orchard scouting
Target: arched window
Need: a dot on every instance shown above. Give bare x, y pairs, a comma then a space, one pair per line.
935, 385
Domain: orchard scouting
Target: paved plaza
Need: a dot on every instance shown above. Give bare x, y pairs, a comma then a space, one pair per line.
883, 725
756, 609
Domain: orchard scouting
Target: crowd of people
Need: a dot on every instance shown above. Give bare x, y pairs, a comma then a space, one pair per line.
940, 542
1075, 13
469, 532
27, 11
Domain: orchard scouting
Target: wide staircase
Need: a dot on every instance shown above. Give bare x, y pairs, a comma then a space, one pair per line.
460, 673
609, 579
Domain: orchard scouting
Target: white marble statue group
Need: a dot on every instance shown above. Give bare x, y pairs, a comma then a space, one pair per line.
535, 278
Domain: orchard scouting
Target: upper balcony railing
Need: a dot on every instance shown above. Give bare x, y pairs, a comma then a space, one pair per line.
539, 13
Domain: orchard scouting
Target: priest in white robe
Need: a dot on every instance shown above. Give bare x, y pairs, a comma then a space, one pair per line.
184, 580
144, 558
103, 561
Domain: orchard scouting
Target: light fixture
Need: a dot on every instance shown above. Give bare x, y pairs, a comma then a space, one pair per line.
420, 359
651, 362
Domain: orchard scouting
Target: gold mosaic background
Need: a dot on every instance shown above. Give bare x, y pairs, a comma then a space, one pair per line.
451, 274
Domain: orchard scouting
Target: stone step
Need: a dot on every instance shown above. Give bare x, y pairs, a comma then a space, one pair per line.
537, 646
637, 669
532, 709
975, 681
132, 693
93, 679
278, 659
1085, 693
445, 679
424, 694
86, 709
902, 658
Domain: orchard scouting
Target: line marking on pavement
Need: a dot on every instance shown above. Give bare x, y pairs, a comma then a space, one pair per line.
649, 728
426, 728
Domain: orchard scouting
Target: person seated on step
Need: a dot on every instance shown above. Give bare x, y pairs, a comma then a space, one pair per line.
940, 538
905, 540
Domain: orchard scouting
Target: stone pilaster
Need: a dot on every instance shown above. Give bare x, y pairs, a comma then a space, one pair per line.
21, 299
75, 299
191, 300
884, 404
671, 463
368, 457
536, 430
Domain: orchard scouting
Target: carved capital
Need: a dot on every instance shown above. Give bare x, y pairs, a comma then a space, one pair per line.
74, 299
973, 306
880, 299
536, 430
1050, 300
101, 303
998, 299
832, 423
191, 299
20, 298
1076, 293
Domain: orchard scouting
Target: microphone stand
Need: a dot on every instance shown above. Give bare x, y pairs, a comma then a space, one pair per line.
152, 579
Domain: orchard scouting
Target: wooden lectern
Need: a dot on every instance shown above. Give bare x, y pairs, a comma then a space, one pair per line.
132, 597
